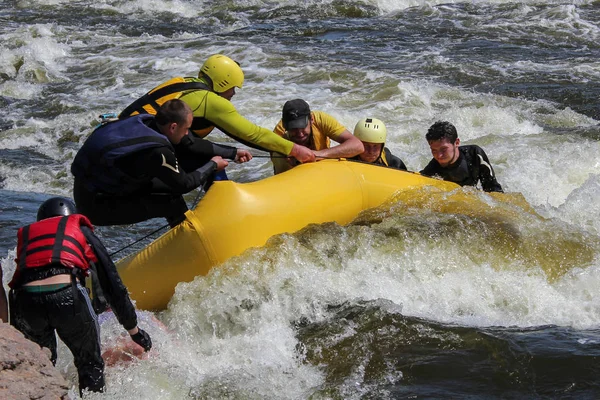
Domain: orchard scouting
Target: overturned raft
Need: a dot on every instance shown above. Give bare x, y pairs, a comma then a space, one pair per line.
233, 217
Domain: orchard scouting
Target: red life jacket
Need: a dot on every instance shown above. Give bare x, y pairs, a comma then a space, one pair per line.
54, 240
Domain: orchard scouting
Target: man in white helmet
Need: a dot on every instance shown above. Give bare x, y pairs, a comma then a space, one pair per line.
209, 98
373, 133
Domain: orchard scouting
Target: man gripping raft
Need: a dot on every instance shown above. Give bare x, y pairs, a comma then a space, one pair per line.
209, 97
127, 170
315, 130
465, 165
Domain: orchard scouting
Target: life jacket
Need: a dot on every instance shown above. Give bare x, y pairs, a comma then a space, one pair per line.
95, 161
172, 89
382, 160
57, 240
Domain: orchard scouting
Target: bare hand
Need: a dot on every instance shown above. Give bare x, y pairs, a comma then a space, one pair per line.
242, 156
302, 154
221, 163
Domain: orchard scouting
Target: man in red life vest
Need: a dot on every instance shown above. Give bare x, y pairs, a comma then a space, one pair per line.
48, 294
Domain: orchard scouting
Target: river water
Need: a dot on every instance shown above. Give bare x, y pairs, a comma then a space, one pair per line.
421, 298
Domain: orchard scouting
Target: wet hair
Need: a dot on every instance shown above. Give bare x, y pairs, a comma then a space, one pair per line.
442, 130
171, 111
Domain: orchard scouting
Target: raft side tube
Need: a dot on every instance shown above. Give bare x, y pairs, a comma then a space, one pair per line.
233, 217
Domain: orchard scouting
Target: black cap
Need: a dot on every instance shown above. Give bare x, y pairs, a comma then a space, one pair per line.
296, 114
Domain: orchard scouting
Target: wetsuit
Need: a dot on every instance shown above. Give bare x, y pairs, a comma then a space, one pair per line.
140, 182
471, 167
323, 128
387, 159
212, 111
41, 312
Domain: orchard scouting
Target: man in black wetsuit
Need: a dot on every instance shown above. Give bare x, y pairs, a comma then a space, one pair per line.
465, 165
48, 294
134, 169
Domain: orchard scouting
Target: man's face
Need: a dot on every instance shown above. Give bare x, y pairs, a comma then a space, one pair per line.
228, 94
178, 131
372, 152
444, 152
300, 136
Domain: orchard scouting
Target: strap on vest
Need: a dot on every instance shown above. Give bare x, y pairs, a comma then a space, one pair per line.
22, 261
151, 98
99, 302
60, 237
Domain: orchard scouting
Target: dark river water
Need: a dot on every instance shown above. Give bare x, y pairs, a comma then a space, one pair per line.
416, 299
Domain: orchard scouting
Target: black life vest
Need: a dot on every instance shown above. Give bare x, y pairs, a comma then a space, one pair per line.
95, 161
57, 240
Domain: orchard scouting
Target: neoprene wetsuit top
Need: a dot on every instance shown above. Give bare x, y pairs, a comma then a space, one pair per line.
471, 167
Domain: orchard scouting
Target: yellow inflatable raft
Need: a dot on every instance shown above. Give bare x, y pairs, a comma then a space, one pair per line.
233, 217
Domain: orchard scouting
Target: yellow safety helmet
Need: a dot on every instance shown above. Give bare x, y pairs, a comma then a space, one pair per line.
371, 130
223, 72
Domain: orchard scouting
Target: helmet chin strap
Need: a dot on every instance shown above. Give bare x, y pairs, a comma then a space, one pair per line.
209, 82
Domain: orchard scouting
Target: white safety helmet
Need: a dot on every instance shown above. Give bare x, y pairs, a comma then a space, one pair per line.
371, 130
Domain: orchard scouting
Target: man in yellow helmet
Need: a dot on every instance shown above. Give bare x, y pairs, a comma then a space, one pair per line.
373, 133
209, 98
313, 129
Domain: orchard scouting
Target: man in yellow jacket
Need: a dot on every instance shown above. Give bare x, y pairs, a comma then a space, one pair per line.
315, 130
209, 98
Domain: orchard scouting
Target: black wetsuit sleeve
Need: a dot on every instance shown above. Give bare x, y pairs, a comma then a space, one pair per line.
113, 288
165, 167
161, 163
204, 149
393, 161
486, 172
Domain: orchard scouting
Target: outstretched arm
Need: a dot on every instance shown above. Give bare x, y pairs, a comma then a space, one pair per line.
116, 292
349, 146
163, 165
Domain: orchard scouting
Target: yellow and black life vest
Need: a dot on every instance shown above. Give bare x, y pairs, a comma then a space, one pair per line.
151, 101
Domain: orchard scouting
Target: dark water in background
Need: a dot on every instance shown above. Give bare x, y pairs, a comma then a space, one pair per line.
415, 301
